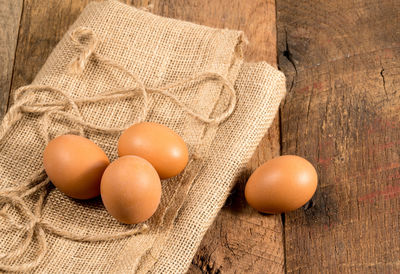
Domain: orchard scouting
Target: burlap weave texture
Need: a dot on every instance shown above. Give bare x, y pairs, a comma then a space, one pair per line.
159, 51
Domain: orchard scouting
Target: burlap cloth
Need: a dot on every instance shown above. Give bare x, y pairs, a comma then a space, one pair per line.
139, 67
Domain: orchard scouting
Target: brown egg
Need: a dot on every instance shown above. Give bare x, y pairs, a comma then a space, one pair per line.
282, 184
158, 144
75, 165
131, 189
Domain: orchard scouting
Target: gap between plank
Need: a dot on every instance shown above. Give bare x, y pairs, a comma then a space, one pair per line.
15, 56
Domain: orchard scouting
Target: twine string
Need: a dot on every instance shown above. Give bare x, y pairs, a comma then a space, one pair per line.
26, 102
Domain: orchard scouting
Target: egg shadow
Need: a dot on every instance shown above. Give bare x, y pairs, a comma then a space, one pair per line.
236, 202
93, 202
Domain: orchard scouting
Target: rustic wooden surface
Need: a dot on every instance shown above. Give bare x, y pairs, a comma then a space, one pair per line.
43, 23
342, 59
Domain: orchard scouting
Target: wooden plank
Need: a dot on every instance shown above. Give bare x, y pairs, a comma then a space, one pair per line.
342, 113
256, 19
10, 14
224, 248
43, 23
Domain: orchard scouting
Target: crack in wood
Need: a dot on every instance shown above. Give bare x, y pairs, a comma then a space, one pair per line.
383, 80
289, 57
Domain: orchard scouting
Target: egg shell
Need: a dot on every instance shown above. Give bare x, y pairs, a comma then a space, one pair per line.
158, 144
131, 189
75, 165
282, 184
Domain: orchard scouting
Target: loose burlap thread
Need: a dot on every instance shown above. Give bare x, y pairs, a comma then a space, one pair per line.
116, 66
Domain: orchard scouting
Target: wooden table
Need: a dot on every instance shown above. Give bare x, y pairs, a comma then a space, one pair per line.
341, 59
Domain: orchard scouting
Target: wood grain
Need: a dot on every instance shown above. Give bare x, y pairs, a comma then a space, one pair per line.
10, 14
43, 23
241, 239
342, 113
